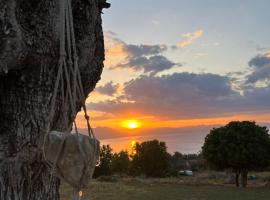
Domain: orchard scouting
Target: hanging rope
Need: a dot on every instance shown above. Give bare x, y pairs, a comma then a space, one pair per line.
68, 78
65, 71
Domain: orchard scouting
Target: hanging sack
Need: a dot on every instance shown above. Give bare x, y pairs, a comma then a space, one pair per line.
73, 157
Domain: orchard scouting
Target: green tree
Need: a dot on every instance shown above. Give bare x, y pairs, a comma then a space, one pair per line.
239, 146
151, 159
105, 163
120, 162
177, 163
180, 161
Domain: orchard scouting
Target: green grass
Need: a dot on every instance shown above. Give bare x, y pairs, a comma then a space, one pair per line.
169, 189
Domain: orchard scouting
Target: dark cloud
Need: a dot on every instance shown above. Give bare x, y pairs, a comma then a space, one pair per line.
144, 50
146, 58
259, 61
260, 66
182, 84
153, 64
186, 95
108, 89
258, 98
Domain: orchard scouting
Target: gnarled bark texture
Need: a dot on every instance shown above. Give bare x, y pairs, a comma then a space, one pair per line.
29, 52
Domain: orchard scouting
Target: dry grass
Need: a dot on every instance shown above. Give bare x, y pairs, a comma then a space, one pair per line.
199, 187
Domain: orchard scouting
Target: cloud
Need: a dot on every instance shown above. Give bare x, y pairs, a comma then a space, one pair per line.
145, 58
185, 96
115, 50
181, 95
153, 64
108, 89
190, 38
144, 50
260, 66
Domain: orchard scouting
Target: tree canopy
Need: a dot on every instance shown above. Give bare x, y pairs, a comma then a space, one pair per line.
241, 146
105, 163
121, 162
151, 159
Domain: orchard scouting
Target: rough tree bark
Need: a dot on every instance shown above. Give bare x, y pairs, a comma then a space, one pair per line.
244, 177
29, 52
237, 174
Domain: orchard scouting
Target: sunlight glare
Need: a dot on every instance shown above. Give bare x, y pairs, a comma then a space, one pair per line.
131, 124
133, 147
133, 143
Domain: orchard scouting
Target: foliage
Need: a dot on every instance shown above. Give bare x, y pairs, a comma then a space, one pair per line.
121, 162
241, 146
178, 161
151, 159
105, 165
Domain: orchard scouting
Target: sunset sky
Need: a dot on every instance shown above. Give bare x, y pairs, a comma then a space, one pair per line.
184, 63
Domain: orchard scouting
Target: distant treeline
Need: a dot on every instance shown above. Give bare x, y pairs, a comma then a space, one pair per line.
238, 147
149, 158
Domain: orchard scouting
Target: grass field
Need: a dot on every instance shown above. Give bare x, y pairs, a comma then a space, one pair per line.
187, 188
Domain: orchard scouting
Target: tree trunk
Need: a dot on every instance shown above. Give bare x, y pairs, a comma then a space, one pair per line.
244, 175
29, 46
237, 178
230, 179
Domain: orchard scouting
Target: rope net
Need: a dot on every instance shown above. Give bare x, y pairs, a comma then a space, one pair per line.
72, 157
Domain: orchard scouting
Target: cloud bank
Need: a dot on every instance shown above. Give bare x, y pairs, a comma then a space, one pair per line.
186, 96
181, 95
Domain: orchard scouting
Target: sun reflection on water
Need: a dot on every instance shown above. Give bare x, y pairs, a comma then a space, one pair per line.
133, 147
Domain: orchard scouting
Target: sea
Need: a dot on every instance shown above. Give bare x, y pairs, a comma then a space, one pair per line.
185, 143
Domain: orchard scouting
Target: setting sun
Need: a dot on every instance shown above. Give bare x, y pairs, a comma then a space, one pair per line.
131, 124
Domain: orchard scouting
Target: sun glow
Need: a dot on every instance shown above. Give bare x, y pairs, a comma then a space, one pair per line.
131, 124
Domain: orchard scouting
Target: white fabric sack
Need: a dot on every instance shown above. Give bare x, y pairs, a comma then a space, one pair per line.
73, 156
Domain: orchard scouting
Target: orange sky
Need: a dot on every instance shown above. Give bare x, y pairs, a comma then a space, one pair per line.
161, 86
153, 122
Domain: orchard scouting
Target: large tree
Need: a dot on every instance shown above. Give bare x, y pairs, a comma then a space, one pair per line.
121, 162
238, 146
151, 159
29, 53
104, 167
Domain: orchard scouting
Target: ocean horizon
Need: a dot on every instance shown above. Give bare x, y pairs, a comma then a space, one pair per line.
185, 143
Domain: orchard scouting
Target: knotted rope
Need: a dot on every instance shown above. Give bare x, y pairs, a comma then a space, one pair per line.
69, 78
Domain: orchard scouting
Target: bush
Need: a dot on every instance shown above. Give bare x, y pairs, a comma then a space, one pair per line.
120, 162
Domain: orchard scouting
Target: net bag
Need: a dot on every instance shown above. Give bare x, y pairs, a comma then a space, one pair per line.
73, 157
